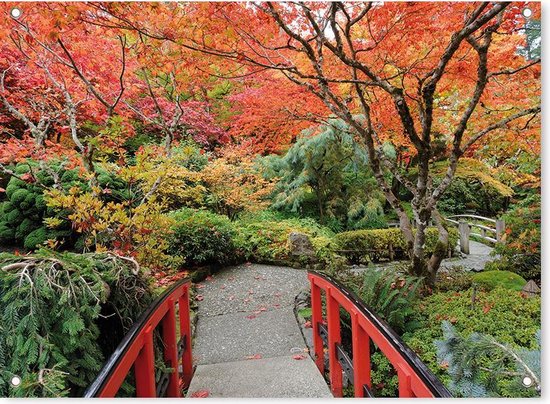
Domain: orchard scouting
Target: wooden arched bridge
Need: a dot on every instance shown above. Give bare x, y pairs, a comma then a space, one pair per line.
162, 340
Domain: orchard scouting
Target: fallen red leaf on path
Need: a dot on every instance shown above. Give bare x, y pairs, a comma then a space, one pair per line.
257, 356
263, 309
250, 317
200, 394
199, 286
277, 305
209, 278
231, 297
222, 287
200, 298
307, 324
298, 357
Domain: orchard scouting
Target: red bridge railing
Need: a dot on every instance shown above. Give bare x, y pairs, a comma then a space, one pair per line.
137, 350
415, 379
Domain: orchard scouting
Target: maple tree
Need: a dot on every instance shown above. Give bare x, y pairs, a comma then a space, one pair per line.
380, 69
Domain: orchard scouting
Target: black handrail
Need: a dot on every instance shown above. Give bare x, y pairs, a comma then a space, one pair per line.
434, 384
111, 364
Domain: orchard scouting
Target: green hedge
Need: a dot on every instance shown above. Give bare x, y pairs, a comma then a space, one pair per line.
373, 245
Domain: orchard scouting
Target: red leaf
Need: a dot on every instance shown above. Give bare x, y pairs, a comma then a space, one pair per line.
200, 394
209, 278
250, 317
307, 324
2, 190
199, 286
200, 298
257, 356
298, 357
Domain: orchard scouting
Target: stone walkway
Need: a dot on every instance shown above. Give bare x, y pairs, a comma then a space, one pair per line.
479, 255
248, 342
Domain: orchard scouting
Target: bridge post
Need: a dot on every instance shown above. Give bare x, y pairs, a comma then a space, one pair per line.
500, 226
171, 348
316, 319
361, 356
464, 230
334, 338
144, 367
185, 332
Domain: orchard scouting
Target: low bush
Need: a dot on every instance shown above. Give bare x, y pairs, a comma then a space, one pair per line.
61, 315
489, 280
456, 280
202, 237
507, 315
264, 238
361, 246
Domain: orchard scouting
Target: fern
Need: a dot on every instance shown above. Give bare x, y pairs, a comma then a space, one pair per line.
391, 297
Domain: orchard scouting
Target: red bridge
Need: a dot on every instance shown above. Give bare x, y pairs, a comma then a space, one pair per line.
165, 329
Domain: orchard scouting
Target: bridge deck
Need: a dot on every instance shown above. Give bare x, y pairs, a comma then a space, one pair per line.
247, 336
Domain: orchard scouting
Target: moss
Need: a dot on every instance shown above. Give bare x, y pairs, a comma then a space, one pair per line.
489, 280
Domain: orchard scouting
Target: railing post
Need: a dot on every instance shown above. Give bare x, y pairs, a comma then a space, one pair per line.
171, 348
333, 320
404, 378
144, 367
464, 230
316, 319
361, 356
499, 226
185, 332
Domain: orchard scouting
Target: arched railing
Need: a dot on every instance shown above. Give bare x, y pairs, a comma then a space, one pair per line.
415, 379
137, 350
484, 228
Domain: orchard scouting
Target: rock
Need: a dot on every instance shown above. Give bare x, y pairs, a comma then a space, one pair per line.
300, 245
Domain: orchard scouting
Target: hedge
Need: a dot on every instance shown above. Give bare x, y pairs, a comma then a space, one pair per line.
372, 245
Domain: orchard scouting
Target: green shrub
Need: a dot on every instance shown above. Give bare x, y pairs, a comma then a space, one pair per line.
259, 238
521, 250
489, 280
202, 237
507, 315
474, 188
23, 211
61, 315
361, 246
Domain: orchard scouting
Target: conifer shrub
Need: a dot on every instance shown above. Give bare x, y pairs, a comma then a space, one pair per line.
62, 314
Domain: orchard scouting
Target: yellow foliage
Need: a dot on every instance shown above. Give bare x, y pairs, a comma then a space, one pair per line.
235, 185
138, 231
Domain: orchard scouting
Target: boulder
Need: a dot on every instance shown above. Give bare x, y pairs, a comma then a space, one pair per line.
300, 245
